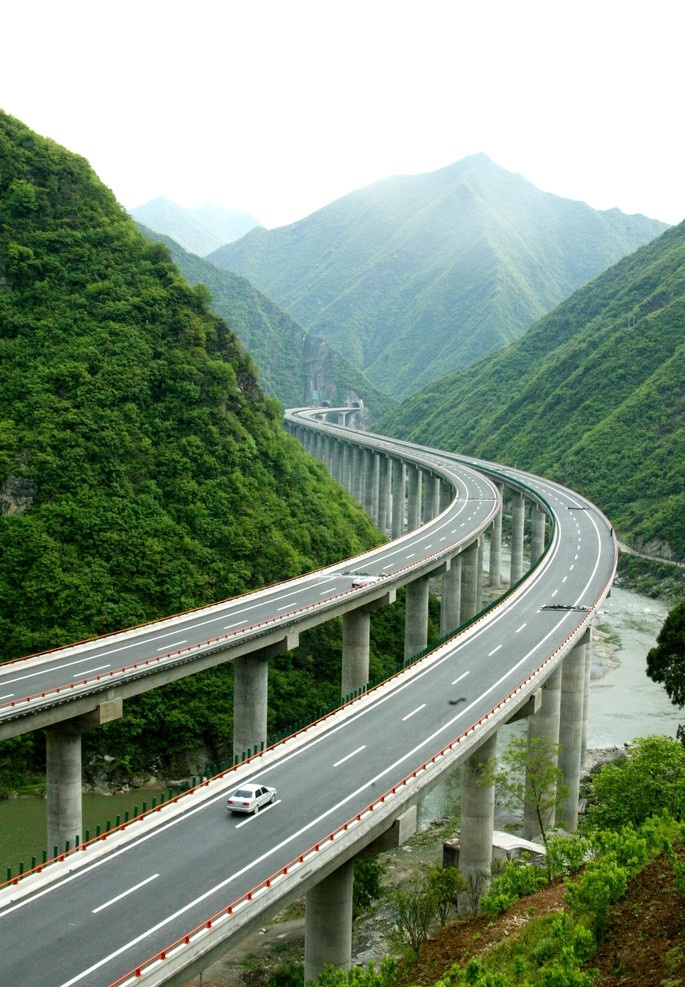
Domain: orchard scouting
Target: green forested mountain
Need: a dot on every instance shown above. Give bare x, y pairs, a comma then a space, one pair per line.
142, 470
199, 230
592, 395
415, 277
295, 367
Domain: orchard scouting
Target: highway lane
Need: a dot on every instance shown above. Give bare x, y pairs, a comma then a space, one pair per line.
96, 924
98, 665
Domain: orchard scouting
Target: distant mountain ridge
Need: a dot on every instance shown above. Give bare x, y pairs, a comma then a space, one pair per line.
416, 276
200, 230
593, 395
294, 367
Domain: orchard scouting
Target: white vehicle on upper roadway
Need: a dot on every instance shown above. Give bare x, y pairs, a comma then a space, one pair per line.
250, 798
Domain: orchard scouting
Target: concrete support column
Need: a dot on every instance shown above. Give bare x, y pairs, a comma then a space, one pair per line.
571, 731
359, 475
328, 923
477, 816
416, 617
413, 497
469, 582
479, 580
496, 550
372, 484
398, 497
336, 456
347, 466
338, 451
518, 517
64, 784
586, 693
537, 533
356, 633
450, 607
544, 723
431, 506
384, 501
446, 495
250, 702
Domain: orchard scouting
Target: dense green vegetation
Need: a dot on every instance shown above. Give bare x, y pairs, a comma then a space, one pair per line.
592, 395
417, 276
666, 660
142, 470
295, 367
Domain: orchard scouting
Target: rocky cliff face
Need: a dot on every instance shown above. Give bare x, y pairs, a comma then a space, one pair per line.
323, 383
17, 494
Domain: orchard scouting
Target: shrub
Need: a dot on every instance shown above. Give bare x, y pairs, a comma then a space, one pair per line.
513, 882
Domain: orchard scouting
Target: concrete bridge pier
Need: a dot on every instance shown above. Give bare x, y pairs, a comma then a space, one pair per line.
479, 574
447, 495
356, 637
470, 579
370, 502
477, 820
416, 617
586, 696
336, 458
518, 519
384, 500
328, 909
398, 497
328, 923
356, 634
450, 606
250, 703
431, 507
346, 466
496, 550
544, 723
64, 782
571, 729
537, 533
414, 477
356, 473
250, 695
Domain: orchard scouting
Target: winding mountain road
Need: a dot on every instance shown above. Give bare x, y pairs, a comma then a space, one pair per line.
192, 867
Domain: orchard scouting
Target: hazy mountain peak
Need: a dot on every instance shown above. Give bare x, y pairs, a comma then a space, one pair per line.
200, 230
416, 276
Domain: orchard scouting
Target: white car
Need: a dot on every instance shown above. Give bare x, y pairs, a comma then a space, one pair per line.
250, 798
364, 579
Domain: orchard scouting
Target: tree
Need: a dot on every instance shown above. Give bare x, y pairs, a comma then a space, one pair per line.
666, 660
368, 872
648, 782
445, 884
529, 776
414, 913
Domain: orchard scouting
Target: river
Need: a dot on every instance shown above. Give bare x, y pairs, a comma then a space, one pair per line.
624, 704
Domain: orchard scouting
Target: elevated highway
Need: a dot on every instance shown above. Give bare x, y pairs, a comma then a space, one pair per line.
161, 898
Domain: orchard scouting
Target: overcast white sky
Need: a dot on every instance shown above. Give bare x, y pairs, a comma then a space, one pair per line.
278, 107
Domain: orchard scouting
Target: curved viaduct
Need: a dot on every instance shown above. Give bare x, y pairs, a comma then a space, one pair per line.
162, 896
